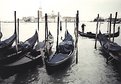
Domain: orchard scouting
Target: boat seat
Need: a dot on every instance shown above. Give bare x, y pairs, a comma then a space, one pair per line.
66, 49
35, 53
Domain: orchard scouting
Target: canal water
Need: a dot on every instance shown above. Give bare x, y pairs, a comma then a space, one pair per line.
91, 68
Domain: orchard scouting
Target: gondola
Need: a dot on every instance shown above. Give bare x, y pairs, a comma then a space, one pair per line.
93, 35
28, 60
7, 43
63, 55
1, 35
14, 54
111, 48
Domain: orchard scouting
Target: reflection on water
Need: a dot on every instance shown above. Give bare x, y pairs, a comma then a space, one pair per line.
27, 76
91, 68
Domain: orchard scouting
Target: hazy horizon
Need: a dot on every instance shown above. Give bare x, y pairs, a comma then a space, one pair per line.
88, 9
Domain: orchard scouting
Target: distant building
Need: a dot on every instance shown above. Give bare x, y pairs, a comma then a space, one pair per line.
51, 17
28, 19
117, 21
69, 19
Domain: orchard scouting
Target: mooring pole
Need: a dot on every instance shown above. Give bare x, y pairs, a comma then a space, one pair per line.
110, 27
45, 27
76, 43
46, 36
96, 31
57, 31
38, 25
18, 31
38, 20
60, 25
66, 24
114, 25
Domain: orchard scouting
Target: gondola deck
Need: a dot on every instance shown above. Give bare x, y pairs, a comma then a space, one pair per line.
111, 48
93, 35
63, 56
12, 54
25, 59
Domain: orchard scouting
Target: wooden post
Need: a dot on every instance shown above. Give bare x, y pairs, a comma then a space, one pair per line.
45, 28
96, 32
38, 25
15, 22
60, 25
114, 25
119, 29
15, 31
76, 43
66, 24
0, 31
18, 31
57, 32
110, 27
38, 20
46, 36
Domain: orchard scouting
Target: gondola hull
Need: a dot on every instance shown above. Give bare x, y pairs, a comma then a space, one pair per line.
13, 57
22, 64
110, 48
63, 55
5, 45
54, 67
93, 35
89, 35
12, 54
27, 60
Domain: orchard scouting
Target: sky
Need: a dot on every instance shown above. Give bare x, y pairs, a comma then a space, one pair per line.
88, 9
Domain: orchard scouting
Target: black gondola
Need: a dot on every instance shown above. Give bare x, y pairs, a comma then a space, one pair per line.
13, 54
111, 48
63, 55
93, 35
28, 60
7, 43
1, 35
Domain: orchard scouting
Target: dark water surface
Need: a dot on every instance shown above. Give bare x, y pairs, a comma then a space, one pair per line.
91, 68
